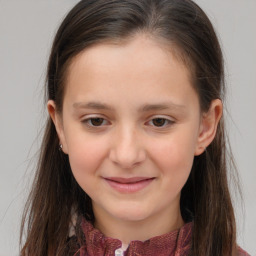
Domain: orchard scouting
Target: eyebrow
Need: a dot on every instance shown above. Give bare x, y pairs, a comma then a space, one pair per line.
144, 108
161, 106
92, 105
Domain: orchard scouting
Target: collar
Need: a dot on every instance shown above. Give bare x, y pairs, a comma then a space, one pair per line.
175, 243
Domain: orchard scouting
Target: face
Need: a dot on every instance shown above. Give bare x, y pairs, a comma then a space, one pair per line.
131, 125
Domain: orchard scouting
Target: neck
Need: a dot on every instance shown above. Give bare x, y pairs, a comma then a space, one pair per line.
141, 230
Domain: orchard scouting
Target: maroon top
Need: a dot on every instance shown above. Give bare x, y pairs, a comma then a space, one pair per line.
175, 243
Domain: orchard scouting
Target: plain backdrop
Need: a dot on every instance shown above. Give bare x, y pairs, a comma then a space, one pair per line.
27, 28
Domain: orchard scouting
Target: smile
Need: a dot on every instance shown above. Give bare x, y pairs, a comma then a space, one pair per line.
128, 185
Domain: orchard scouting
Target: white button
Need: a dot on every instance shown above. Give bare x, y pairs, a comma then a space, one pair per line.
119, 252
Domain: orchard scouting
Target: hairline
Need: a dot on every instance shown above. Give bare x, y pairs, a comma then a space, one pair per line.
165, 44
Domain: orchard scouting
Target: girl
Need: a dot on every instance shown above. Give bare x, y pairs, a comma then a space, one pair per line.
133, 160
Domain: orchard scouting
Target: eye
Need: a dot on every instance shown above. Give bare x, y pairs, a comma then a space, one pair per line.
95, 122
160, 122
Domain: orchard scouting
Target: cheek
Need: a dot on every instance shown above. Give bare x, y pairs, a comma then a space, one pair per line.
85, 157
174, 157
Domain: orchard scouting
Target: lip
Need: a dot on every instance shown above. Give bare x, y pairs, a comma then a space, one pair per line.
129, 185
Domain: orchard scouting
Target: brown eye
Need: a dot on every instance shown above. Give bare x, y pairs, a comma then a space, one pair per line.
96, 121
159, 122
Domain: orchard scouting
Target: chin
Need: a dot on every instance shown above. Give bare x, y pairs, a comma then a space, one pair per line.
131, 214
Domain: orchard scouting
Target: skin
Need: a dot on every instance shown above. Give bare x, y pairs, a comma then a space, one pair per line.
127, 140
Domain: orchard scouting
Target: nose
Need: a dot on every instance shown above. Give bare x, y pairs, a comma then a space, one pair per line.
127, 149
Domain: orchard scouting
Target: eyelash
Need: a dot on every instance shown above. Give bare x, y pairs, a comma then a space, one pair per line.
167, 122
88, 122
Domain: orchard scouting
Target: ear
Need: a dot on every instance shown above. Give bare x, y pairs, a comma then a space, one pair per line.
208, 126
57, 120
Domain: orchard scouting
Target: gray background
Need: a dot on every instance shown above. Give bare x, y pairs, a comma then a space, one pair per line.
26, 32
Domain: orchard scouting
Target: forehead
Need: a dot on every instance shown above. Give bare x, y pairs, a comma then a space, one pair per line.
141, 65
140, 48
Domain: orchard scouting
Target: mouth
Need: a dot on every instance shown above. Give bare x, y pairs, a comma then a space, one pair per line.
129, 185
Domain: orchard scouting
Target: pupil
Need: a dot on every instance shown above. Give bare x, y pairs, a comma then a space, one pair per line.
97, 121
159, 121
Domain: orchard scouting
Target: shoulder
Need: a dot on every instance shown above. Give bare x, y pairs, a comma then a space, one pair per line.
241, 252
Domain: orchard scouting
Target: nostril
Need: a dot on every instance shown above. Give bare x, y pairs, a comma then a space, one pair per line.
126, 162
125, 165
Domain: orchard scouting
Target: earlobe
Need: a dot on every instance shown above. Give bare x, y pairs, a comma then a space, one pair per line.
55, 116
208, 126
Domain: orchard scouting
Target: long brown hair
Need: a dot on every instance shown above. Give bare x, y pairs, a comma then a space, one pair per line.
205, 198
